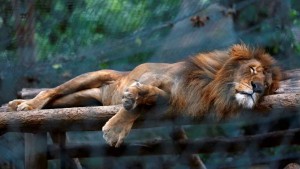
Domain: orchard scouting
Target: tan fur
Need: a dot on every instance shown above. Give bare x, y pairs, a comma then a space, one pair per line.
222, 82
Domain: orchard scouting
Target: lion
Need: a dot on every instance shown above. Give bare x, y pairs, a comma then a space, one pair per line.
220, 82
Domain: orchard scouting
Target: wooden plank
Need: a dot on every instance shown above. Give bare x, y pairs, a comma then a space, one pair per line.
66, 119
93, 118
60, 139
35, 150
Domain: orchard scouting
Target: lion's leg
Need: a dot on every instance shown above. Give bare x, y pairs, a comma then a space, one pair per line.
13, 105
136, 99
81, 98
117, 127
82, 82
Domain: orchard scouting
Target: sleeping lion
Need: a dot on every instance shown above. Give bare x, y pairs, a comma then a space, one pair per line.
223, 82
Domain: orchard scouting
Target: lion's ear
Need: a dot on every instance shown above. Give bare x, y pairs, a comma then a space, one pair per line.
276, 76
273, 72
240, 51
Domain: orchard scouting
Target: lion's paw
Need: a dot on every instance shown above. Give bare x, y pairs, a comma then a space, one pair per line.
137, 94
25, 106
114, 134
129, 100
130, 96
20, 105
13, 105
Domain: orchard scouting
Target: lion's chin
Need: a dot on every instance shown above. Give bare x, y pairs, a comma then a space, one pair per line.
246, 101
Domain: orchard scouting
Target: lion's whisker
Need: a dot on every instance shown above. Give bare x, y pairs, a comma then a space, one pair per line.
246, 85
232, 83
240, 84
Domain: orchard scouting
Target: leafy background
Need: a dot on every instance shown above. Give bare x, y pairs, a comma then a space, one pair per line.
44, 43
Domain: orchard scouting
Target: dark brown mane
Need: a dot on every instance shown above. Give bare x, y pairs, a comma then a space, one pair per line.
209, 63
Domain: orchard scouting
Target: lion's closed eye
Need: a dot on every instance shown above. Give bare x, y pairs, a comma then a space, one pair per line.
252, 70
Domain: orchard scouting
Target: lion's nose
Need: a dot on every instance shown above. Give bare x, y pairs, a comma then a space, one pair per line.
257, 87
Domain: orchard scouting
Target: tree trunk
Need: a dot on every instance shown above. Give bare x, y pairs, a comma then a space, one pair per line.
24, 14
35, 150
187, 38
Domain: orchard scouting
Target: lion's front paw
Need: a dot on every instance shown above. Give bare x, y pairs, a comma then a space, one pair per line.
129, 100
114, 134
138, 94
131, 95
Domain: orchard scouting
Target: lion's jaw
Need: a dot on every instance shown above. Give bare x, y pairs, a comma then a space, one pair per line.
247, 99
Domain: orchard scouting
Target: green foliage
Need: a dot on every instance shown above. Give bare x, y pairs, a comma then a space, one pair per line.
116, 16
295, 19
297, 47
132, 60
61, 30
294, 14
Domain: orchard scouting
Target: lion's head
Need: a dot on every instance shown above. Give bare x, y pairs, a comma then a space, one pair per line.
250, 74
226, 81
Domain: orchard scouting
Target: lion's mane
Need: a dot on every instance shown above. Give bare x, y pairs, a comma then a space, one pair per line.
208, 78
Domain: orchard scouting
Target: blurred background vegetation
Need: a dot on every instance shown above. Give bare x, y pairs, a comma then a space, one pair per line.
44, 43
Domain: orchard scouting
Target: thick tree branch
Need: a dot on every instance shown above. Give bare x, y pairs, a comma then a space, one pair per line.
289, 100
28, 93
93, 118
66, 119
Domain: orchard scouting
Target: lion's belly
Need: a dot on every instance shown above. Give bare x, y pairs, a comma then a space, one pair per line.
157, 74
111, 95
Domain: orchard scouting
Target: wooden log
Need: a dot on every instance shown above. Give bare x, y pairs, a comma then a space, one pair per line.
292, 74
159, 147
93, 118
61, 139
35, 150
67, 119
28, 93
289, 100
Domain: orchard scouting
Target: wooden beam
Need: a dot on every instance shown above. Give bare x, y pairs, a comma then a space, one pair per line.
61, 139
35, 150
67, 119
28, 93
93, 118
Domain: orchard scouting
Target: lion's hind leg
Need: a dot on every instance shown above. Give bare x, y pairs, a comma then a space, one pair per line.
83, 82
81, 98
13, 105
32, 104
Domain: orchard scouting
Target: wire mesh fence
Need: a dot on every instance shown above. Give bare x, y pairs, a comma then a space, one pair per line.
44, 43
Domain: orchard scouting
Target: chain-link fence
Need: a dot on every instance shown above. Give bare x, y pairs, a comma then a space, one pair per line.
44, 43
